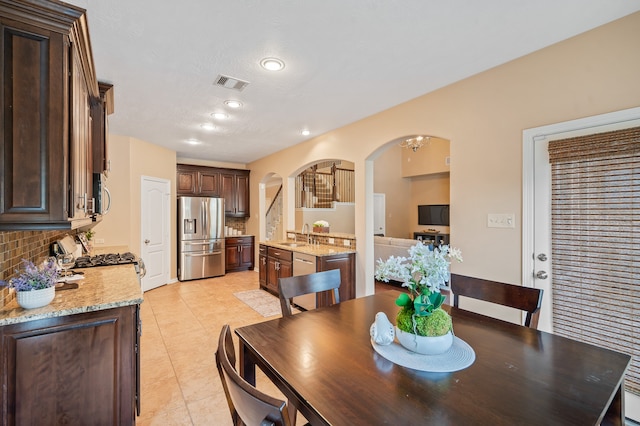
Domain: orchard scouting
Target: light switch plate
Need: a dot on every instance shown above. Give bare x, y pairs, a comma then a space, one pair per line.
501, 220
347, 243
332, 241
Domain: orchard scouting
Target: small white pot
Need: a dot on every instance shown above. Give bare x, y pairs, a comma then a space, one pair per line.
423, 344
36, 298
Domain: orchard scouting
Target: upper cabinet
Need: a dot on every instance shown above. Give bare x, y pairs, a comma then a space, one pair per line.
100, 111
230, 184
48, 86
235, 190
198, 181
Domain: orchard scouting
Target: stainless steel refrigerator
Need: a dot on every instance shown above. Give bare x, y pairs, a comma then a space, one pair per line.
200, 237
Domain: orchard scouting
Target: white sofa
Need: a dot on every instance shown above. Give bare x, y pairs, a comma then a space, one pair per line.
384, 247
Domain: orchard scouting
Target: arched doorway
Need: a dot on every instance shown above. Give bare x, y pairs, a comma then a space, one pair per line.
271, 198
325, 190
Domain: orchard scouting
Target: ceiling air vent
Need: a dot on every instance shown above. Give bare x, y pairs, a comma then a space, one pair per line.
230, 82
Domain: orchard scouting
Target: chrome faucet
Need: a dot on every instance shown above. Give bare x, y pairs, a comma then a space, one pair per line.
305, 230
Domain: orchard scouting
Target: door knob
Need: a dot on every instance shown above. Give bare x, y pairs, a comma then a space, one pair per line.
542, 257
147, 241
542, 275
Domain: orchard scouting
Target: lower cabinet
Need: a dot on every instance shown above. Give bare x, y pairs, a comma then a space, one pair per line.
75, 369
279, 265
276, 263
262, 266
345, 262
239, 253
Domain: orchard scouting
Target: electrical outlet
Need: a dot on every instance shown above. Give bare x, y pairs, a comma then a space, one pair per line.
332, 241
347, 243
99, 240
501, 220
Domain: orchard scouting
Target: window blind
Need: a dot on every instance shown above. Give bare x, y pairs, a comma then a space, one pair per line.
595, 212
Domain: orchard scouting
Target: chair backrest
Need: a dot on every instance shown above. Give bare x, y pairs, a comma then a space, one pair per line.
247, 404
524, 298
291, 287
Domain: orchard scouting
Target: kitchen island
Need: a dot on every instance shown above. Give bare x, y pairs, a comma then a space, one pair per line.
76, 360
278, 259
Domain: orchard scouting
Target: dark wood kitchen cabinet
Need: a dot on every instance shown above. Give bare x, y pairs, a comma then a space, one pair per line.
230, 184
80, 203
235, 190
239, 253
279, 265
346, 263
78, 368
100, 110
48, 84
262, 265
276, 263
198, 181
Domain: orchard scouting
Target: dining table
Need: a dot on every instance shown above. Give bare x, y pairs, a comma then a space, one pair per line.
325, 363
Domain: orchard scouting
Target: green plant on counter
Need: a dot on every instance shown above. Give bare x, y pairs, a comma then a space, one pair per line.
89, 234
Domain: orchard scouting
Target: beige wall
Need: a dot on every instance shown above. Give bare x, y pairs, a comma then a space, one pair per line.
341, 218
115, 228
387, 180
131, 159
410, 178
483, 117
430, 158
428, 189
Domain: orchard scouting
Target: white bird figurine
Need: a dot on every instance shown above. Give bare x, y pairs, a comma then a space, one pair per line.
382, 331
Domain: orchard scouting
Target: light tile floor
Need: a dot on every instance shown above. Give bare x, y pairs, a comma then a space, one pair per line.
180, 327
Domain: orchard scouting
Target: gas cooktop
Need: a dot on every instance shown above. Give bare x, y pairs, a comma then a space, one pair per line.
105, 260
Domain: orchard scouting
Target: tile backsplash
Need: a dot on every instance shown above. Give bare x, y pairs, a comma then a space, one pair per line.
18, 245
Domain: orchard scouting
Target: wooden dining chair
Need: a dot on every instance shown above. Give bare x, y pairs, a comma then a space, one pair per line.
526, 299
248, 406
291, 287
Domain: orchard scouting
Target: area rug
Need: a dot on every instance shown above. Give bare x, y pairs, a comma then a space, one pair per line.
260, 301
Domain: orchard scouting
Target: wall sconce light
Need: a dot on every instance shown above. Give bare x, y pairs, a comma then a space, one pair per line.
415, 142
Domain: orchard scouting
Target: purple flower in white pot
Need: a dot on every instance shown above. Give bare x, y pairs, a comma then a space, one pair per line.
34, 277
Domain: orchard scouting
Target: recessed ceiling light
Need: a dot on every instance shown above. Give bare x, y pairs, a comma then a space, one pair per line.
305, 132
272, 64
220, 115
208, 126
233, 104
193, 141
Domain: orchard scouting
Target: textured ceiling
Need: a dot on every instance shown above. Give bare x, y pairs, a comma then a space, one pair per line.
345, 60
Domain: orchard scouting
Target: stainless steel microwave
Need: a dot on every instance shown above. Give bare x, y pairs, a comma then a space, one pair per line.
101, 195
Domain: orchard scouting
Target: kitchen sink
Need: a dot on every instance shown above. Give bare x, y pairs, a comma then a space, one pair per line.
293, 244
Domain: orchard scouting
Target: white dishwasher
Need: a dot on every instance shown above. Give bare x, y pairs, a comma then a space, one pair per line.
304, 264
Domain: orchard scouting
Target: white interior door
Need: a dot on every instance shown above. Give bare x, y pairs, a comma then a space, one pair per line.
536, 224
155, 226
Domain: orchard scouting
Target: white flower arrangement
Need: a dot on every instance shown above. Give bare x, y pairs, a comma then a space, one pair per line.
321, 224
424, 272
424, 269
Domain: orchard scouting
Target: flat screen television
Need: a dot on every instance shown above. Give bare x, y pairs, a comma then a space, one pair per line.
433, 214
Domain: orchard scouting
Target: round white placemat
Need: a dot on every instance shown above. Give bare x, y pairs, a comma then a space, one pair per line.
458, 357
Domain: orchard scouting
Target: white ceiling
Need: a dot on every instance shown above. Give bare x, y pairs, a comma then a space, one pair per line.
345, 60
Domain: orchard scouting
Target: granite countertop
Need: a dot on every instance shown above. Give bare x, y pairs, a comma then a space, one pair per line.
102, 288
312, 249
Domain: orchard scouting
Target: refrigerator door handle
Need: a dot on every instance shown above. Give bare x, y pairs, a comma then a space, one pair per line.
205, 218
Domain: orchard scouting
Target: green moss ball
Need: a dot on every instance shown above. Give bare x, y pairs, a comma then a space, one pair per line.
436, 324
